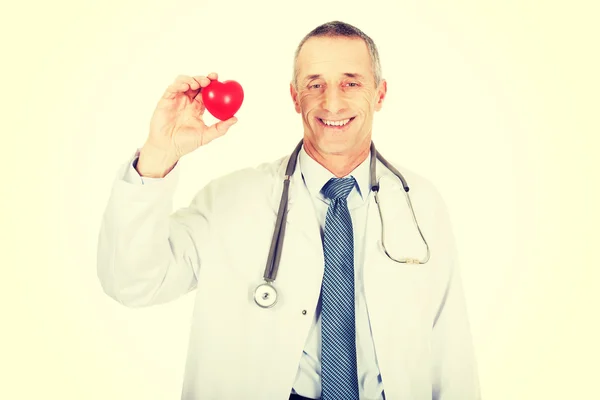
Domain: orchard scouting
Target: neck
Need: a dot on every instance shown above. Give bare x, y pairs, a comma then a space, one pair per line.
339, 164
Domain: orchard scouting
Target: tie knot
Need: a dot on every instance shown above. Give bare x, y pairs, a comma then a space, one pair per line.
338, 188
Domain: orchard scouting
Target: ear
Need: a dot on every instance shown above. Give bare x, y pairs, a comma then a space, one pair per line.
381, 92
294, 95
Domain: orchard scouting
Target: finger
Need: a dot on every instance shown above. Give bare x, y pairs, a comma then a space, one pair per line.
194, 85
175, 88
202, 80
219, 129
198, 98
182, 84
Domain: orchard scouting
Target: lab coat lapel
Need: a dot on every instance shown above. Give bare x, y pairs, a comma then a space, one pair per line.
298, 283
302, 218
302, 257
395, 293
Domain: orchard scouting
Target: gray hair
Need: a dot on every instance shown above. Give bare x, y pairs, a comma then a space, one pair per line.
341, 29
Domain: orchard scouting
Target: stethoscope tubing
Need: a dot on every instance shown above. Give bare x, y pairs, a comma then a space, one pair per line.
279, 232
265, 294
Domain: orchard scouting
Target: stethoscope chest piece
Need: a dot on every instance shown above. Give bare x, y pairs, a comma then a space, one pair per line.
265, 295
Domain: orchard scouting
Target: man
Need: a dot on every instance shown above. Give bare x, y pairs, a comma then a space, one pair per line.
349, 322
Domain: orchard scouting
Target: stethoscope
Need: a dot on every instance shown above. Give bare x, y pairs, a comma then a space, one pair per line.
265, 294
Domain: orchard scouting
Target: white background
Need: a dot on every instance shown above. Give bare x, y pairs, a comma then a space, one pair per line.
495, 102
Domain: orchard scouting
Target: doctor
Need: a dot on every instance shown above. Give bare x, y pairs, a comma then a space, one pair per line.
349, 322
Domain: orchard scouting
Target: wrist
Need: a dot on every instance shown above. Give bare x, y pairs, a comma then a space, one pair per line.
154, 163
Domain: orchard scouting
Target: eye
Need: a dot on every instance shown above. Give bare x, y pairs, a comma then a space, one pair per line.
315, 86
352, 84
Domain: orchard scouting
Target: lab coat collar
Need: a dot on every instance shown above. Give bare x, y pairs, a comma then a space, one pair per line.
316, 176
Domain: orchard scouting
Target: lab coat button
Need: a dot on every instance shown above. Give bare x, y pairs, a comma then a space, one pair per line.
303, 312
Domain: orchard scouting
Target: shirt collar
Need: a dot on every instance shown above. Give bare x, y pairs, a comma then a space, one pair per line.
316, 176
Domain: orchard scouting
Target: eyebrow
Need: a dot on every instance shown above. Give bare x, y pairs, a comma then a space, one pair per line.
353, 75
347, 74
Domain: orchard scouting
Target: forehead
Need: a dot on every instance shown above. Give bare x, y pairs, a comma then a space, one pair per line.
334, 55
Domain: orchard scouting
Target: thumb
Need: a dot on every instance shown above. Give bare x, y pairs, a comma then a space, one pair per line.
223, 126
220, 128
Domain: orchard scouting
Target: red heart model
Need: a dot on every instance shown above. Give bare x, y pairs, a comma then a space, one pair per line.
223, 99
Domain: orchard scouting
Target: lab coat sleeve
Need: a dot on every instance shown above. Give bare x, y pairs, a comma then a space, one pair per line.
147, 254
455, 375
132, 176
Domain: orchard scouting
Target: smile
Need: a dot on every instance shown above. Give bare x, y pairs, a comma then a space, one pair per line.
336, 124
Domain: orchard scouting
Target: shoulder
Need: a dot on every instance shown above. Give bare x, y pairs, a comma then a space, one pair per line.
259, 175
423, 193
417, 182
250, 183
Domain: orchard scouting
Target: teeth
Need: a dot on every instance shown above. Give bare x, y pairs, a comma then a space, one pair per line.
336, 123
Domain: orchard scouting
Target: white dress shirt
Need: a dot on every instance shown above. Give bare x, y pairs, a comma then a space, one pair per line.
308, 379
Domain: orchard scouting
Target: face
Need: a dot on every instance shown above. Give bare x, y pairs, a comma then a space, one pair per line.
336, 95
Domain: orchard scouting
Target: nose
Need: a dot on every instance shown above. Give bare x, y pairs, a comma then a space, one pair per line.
333, 101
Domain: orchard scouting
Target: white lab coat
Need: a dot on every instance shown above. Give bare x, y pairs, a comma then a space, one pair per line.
218, 247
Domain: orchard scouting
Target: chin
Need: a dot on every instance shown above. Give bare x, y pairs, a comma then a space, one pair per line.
335, 145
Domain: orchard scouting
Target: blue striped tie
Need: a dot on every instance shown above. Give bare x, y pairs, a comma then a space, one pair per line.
339, 378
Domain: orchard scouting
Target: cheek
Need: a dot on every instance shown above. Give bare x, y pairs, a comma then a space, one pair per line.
366, 101
306, 102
